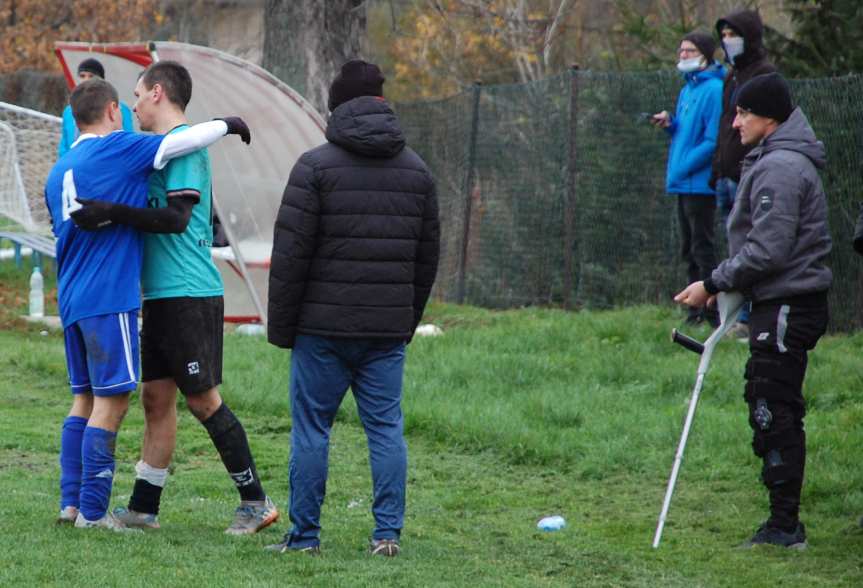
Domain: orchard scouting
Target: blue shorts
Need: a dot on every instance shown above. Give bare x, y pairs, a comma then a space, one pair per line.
102, 354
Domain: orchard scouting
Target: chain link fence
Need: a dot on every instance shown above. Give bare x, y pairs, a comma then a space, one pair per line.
553, 193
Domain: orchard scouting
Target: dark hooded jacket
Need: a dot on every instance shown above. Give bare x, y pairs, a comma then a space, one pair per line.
730, 152
777, 232
357, 236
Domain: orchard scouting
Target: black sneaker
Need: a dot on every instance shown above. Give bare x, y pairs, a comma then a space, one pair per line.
285, 547
384, 547
693, 320
767, 535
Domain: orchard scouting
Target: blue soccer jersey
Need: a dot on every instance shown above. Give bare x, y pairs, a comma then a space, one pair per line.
99, 271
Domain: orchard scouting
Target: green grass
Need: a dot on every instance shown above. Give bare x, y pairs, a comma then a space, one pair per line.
510, 416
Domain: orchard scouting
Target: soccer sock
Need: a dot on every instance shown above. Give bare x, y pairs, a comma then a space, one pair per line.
70, 460
147, 493
230, 440
97, 451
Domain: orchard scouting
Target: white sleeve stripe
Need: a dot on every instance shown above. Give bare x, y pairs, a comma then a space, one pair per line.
192, 139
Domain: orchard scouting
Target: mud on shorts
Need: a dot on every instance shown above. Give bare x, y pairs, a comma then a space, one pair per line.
102, 354
181, 338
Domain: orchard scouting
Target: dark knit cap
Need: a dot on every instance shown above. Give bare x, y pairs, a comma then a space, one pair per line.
356, 79
93, 66
704, 42
767, 95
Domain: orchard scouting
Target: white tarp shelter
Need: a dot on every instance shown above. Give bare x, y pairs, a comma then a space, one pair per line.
248, 180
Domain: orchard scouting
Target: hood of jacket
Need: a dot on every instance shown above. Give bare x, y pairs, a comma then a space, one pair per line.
748, 24
367, 126
714, 70
795, 134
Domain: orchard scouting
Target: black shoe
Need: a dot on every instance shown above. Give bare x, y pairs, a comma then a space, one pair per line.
385, 547
285, 547
712, 318
693, 320
767, 535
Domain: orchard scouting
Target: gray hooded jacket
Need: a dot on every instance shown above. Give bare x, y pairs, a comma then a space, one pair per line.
777, 231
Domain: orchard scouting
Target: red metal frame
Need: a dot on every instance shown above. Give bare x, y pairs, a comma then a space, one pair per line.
135, 52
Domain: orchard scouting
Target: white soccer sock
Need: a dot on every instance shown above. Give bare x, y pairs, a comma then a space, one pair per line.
155, 476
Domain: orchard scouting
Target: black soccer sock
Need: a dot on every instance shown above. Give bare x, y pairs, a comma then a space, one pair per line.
230, 440
145, 497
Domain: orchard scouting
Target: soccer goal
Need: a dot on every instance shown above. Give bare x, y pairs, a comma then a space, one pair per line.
28, 149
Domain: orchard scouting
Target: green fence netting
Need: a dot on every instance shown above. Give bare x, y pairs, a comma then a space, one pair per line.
553, 193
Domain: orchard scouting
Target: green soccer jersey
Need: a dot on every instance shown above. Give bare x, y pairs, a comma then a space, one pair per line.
181, 265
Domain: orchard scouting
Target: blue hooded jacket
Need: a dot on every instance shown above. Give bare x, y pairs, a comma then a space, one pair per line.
694, 130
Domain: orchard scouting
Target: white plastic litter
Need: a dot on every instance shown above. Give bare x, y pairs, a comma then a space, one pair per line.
553, 523
251, 329
429, 330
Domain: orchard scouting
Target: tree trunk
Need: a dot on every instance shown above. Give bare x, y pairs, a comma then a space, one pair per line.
307, 41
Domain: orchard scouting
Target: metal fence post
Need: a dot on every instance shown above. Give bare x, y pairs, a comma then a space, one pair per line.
468, 193
569, 204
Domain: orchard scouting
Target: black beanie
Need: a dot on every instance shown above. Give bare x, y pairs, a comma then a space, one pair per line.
356, 79
704, 42
766, 95
93, 66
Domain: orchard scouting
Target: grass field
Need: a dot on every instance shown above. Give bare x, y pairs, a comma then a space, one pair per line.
510, 416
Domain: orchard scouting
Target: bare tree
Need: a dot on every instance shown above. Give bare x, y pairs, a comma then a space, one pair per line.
307, 41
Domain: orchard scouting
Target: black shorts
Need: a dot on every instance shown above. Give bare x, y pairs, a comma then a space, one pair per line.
181, 338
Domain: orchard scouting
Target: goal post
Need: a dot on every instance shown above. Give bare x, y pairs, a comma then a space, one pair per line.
28, 150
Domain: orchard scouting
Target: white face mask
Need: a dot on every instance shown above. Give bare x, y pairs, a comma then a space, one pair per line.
733, 47
690, 65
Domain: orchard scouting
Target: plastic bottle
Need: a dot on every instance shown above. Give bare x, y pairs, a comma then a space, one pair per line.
37, 294
555, 523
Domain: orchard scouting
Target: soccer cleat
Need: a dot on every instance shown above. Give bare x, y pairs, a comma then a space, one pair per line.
135, 519
67, 515
384, 547
767, 535
285, 547
252, 516
109, 521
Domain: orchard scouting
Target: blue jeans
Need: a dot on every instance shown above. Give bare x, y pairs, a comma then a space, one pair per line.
322, 369
726, 192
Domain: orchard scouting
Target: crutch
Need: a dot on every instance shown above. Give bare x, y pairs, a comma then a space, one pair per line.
729, 304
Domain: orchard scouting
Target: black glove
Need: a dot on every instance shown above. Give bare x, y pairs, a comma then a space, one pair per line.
858, 233
93, 214
237, 126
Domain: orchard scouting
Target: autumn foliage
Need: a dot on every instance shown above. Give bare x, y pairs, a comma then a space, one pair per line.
447, 44
29, 28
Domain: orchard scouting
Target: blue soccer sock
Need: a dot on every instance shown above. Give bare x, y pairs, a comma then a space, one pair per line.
70, 460
97, 451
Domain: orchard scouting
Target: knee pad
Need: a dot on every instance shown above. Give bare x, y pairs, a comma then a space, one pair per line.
782, 466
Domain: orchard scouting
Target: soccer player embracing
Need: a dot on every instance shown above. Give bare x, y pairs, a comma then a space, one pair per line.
98, 287
183, 312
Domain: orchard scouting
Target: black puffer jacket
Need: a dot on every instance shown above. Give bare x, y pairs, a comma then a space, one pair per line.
728, 158
357, 237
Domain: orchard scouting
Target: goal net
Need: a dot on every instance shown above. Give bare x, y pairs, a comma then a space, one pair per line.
28, 150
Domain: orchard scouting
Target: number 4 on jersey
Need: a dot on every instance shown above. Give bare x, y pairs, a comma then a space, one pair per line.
70, 195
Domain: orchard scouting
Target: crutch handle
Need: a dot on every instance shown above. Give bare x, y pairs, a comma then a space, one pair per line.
687, 342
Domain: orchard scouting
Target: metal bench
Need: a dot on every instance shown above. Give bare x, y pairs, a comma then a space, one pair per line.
39, 244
